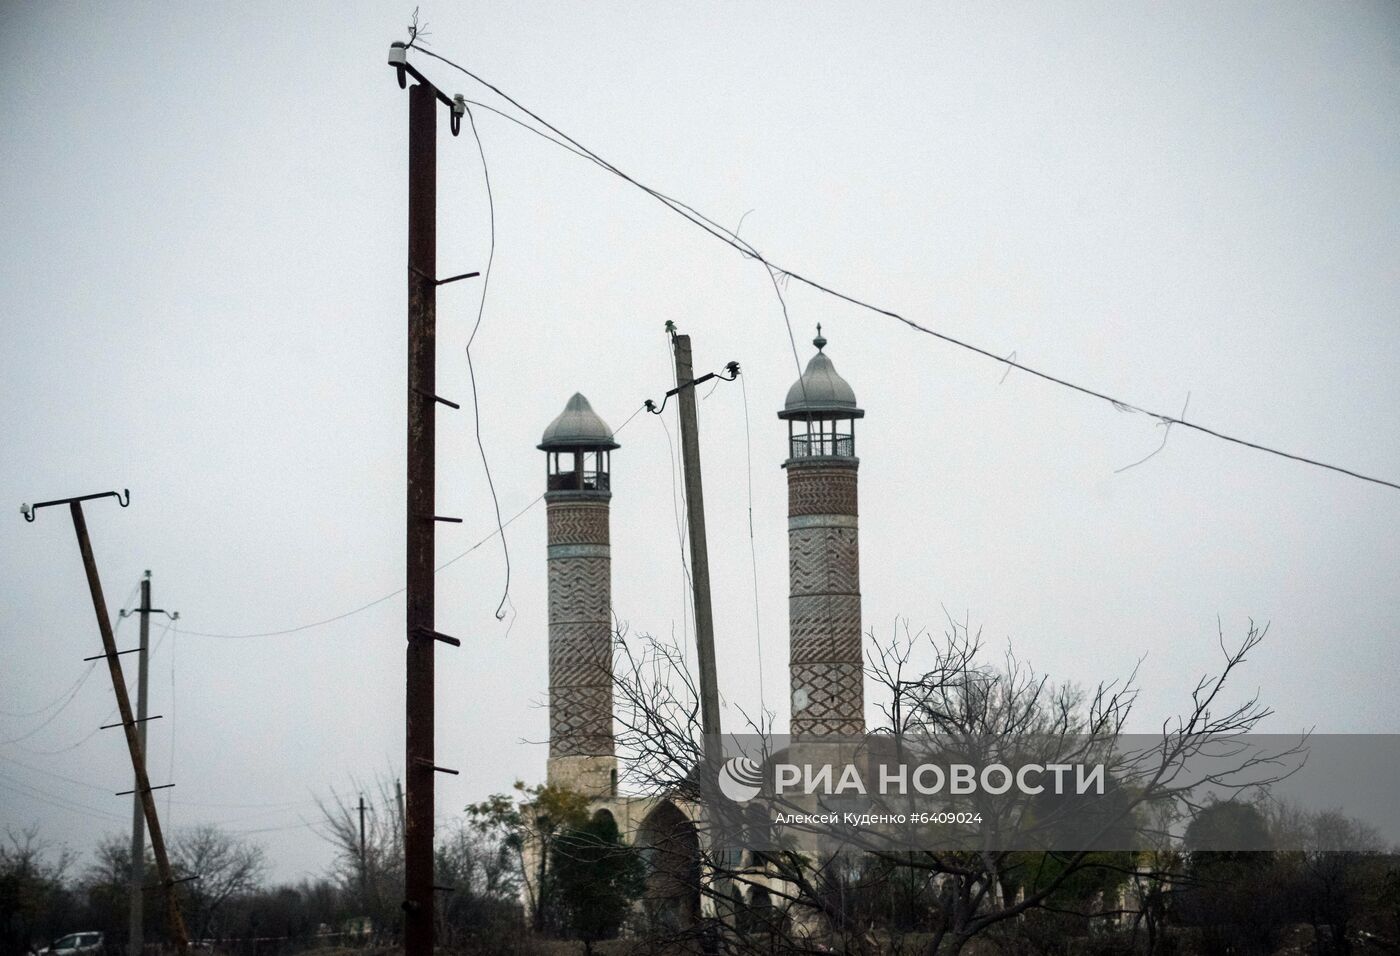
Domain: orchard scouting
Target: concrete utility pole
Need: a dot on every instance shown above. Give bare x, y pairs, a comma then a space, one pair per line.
128, 721
138, 819
699, 551
136, 938
363, 873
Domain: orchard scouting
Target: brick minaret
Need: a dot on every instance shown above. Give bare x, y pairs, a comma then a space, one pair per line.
828, 685
578, 445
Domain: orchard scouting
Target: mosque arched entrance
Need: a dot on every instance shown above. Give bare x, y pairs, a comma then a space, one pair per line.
670, 848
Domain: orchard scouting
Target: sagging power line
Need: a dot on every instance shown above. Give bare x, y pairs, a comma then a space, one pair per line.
732, 239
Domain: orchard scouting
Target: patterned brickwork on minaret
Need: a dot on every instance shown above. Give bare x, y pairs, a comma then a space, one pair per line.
578, 445
580, 630
824, 627
824, 598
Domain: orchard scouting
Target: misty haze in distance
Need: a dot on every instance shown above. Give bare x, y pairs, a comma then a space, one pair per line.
203, 286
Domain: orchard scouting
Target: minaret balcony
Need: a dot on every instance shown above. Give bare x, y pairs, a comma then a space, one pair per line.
576, 481
822, 446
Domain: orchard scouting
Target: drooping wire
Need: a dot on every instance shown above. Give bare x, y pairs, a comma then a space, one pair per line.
730, 238
57, 800
362, 607
471, 370
68, 693
72, 695
392, 594
65, 696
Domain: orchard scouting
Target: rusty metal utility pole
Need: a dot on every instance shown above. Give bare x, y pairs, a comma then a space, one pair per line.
699, 551
128, 721
135, 939
421, 516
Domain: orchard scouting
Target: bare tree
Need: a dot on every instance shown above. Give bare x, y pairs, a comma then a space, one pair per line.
1006, 712
32, 894
373, 882
222, 866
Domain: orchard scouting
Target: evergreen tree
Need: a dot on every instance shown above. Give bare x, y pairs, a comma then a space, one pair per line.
597, 878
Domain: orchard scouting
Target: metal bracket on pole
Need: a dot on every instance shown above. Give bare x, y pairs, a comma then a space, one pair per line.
127, 793
126, 723
435, 635
123, 499
732, 368
435, 281
398, 59
437, 398
98, 657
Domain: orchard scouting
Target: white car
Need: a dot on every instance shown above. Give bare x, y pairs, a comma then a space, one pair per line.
74, 944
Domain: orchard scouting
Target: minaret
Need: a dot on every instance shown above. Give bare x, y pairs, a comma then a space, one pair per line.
828, 685
578, 446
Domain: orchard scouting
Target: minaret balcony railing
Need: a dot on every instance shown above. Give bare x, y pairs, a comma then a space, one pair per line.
823, 446
570, 481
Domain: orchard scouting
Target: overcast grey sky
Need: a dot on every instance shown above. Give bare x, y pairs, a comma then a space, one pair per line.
203, 292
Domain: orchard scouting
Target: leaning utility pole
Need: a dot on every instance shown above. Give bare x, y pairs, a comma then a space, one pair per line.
714, 812
421, 516
699, 552
128, 722
135, 939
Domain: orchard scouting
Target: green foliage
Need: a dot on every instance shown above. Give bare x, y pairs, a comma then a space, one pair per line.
597, 877
527, 825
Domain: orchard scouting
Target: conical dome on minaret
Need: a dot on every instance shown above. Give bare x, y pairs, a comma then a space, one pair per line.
577, 426
821, 391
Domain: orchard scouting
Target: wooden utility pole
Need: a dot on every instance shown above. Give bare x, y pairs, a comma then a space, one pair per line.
715, 813
699, 552
133, 739
128, 723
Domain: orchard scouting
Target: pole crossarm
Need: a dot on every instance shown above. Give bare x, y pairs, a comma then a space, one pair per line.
123, 499
731, 368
